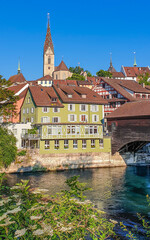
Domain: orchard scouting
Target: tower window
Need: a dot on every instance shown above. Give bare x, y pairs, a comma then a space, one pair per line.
49, 60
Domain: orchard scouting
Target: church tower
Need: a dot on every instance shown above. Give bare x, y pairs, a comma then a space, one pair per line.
48, 55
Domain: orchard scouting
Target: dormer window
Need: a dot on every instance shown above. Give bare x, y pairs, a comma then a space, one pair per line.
83, 95
69, 95
54, 99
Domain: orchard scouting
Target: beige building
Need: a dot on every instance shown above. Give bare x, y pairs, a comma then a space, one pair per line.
60, 72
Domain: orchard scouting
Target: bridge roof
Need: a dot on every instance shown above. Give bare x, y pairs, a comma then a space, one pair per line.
135, 109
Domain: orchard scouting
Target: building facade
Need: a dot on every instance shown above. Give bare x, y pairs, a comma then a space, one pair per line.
68, 119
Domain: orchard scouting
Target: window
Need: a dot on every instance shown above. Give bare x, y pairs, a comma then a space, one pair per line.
94, 108
91, 130
83, 143
24, 111
83, 95
32, 110
49, 60
45, 119
32, 119
56, 77
75, 144
45, 82
45, 109
28, 100
95, 118
14, 131
71, 107
83, 118
24, 131
47, 145
101, 144
92, 143
54, 99
56, 144
71, 118
71, 130
69, 95
41, 82
56, 109
66, 144
27, 110
55, 119
83, 108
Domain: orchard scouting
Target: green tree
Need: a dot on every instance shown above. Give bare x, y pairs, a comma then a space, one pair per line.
76, 70
7, 99
88, 73
8, 149
143, 78
102, 73
76, 76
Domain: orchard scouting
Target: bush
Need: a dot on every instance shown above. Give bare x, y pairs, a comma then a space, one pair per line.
8, 149
32, 214
22, 153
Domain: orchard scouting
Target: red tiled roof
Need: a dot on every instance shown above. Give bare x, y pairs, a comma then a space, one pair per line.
61, 67
47, 77
121, 86
48, 40
131, 109
117, 75
147, 87
136, 71
77, 95
42, 96
65, 82
18, 78
17, 88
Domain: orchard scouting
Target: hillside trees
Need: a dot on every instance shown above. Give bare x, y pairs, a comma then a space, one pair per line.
144, 78
102, 73
8, 148
7, 99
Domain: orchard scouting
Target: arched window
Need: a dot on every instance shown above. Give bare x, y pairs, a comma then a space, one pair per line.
49, 60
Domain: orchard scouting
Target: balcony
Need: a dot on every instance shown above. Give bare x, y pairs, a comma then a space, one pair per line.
72, 131
28, 136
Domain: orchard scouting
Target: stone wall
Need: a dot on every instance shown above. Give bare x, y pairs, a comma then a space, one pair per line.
51, 162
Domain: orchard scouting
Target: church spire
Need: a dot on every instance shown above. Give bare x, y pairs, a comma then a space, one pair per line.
19, 66
111, 68
48, 39
111, 60
135, 64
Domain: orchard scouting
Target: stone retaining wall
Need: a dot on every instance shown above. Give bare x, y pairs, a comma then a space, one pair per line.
51, 162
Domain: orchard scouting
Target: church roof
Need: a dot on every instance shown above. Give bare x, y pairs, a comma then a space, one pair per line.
111, 69
18, 78
48, 40
62, 67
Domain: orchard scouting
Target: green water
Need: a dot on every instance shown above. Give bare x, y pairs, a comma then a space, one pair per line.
121, 192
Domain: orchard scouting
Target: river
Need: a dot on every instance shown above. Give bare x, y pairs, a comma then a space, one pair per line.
120, 192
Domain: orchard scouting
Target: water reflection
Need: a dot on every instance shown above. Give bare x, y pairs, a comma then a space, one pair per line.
115, 190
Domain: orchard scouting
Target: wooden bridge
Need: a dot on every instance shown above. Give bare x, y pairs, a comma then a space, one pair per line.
130, 126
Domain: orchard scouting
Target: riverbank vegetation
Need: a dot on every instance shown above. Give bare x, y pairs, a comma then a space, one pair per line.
27, 213
8, 149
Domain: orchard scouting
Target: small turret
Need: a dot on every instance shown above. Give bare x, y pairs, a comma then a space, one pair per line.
19, 70
135, 64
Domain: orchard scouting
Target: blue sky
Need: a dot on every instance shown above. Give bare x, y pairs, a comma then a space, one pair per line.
83, 32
